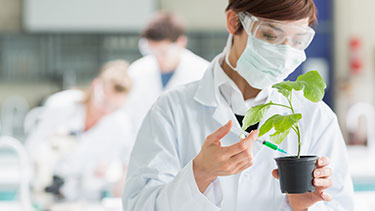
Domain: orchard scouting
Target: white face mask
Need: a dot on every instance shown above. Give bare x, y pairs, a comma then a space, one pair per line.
263, 64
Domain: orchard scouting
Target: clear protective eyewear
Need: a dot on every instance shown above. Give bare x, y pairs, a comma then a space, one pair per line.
277, 32
165, 51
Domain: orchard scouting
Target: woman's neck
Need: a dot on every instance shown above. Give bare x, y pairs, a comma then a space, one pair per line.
247, 91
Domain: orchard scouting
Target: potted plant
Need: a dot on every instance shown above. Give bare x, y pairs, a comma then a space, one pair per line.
296, 172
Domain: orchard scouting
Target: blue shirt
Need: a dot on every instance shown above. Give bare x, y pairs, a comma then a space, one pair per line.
165, 77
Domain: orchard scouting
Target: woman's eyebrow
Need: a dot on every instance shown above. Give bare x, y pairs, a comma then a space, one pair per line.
301, 34
280, 30
274, 27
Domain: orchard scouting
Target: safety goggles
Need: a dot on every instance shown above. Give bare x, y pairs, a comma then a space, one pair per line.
277, 32
165, 52
160, 52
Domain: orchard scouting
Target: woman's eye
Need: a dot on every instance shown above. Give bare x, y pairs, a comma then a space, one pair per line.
297, 43
269, 37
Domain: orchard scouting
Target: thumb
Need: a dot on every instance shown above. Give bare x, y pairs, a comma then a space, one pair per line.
275, 173
251, 138
216, 136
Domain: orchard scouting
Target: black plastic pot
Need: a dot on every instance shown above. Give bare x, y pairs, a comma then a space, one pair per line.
296, 175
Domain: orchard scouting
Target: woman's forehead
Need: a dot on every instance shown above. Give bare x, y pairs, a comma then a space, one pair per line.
302, 22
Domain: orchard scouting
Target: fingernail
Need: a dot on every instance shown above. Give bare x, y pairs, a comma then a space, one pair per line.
324, 194
317, 182
256, 132
321, 162
317, 173
326, 171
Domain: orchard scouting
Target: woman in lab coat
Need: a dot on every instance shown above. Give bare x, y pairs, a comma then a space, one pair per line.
188, 156
81, 138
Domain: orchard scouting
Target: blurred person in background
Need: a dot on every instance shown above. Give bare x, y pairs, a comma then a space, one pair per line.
166, 64
83, 139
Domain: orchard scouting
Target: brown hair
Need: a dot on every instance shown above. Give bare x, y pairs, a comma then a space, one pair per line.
164, 26
282, 10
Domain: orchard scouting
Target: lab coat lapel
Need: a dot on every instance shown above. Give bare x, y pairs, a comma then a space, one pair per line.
206, 95
153, 77
223, 114
176, 77
180, 73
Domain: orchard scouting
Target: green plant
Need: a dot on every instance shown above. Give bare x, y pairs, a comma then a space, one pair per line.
312, 85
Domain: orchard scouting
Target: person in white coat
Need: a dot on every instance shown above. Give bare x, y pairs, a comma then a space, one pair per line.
188, 155
82, 134
166, 64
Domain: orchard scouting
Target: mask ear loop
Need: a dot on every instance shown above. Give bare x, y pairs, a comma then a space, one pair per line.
227, 60
246, 22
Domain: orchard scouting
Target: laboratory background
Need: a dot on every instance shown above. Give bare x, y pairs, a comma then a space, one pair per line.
55, 52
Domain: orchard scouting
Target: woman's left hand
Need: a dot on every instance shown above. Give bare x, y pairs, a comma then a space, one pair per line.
321, 182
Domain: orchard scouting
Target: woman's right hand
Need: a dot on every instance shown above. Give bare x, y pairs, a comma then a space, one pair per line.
214, 160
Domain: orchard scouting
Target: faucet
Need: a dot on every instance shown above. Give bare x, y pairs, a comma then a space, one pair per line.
13, 111
25, 169
366, 110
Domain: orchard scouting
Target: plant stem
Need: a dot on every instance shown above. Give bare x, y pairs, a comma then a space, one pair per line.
282, 105
299, 141
296, 129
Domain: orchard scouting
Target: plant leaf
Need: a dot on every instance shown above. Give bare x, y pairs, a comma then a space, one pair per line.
282, 89
281, 123
284, 122
255, 115
314, 86
267, 126
286, 87
279, 137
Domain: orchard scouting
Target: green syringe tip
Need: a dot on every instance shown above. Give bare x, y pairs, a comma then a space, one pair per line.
280, 150
273, 146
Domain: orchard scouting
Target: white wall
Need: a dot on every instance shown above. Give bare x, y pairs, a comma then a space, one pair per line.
87, 15
105, 15
199, 14
354, 18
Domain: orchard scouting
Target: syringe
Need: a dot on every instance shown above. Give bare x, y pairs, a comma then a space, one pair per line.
267, 144
273, 146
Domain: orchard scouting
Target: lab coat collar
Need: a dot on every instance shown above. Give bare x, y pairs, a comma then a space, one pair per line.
232, 94
179, 72
206, 93
206, 88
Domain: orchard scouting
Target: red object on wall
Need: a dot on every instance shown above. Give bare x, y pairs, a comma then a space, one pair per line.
356, 60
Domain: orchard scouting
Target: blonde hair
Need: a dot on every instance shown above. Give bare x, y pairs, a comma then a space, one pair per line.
114, 74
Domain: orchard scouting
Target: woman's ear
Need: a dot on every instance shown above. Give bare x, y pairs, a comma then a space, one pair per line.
232, 22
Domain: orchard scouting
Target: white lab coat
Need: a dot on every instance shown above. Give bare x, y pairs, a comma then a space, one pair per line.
105, 143
160, 174
64, 98
147, 83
